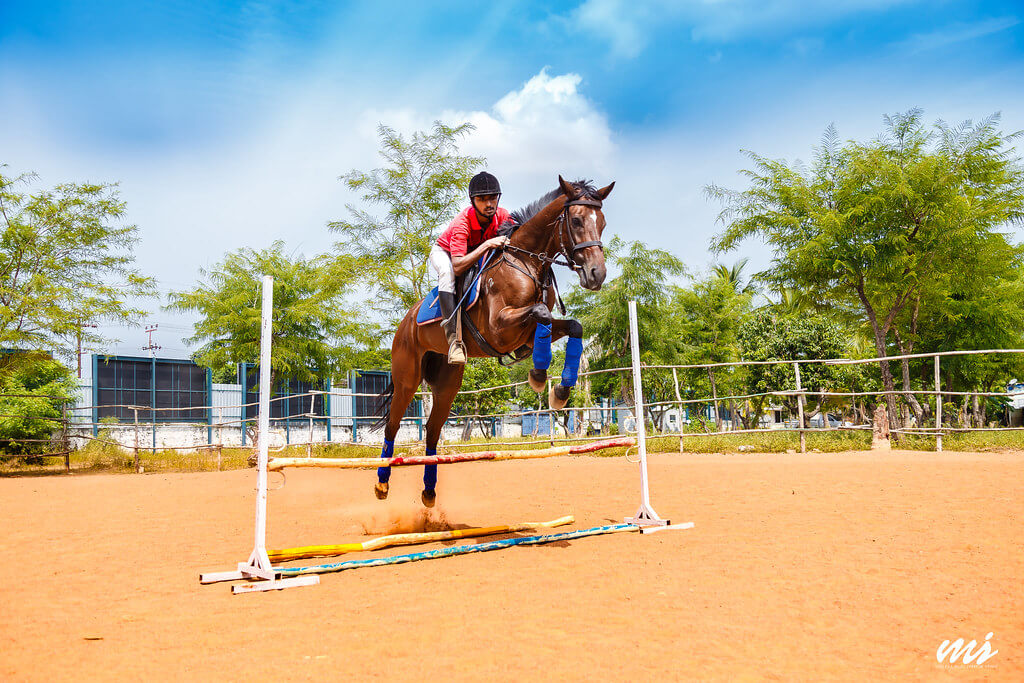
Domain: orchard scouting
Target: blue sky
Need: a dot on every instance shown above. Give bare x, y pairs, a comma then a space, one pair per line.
227, 124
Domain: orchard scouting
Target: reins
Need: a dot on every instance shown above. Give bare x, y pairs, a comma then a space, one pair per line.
568, 254
564, 257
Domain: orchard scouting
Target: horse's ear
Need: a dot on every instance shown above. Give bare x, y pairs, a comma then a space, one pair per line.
567, 189
605, 191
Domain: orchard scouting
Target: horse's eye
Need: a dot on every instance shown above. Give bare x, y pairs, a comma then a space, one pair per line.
576, 222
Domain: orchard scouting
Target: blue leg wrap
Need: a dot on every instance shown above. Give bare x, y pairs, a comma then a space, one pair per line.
542, 347
573, 351
384, 473
430, 472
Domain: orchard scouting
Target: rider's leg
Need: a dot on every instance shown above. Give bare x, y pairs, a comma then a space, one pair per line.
441, 263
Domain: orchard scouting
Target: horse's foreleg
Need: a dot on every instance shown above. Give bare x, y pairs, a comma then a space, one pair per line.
444, 389
559, 394
541, 338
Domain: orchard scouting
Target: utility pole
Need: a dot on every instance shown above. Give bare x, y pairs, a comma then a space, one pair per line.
151, 347
78, 338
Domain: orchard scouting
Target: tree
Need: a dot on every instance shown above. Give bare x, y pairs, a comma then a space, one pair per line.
66, 261
644, 276
709, 315
772, 335
872, 227
33, 389
482, 373
419, 189
316, 331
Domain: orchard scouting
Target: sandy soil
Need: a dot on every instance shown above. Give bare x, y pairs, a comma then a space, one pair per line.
808, 567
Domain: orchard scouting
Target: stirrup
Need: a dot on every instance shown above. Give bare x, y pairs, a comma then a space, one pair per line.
457, 353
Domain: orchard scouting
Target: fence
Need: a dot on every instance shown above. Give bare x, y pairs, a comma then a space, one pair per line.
228, 425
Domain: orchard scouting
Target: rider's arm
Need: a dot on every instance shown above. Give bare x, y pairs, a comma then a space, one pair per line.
460, 264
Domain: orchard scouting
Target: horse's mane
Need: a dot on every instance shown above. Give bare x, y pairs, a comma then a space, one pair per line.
584, 188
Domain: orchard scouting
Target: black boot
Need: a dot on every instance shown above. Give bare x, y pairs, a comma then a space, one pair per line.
456, 349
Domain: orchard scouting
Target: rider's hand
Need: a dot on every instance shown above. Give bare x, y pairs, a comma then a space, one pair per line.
496, 242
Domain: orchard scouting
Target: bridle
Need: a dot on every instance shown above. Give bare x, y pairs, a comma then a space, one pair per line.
565, 234
563, 222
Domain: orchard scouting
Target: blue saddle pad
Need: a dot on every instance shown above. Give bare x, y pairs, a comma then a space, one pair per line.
430, 308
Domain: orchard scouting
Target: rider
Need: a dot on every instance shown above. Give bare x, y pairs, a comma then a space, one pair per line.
469, 235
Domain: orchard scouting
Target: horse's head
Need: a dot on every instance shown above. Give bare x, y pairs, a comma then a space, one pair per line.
580, 231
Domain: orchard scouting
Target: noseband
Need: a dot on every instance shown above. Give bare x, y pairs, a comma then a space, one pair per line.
563, 222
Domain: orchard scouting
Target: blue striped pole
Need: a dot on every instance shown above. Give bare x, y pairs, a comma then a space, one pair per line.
454, 550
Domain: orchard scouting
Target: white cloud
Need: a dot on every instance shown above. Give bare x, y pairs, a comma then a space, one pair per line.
529, 136
622, 24
956, 33
625, 24
275, 176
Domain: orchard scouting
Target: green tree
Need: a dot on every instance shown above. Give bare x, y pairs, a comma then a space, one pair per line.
482, 373
967, 312
709, 314
33, 389
418, 190
316, 333
871, 227
66, 260
644, 276
771, 335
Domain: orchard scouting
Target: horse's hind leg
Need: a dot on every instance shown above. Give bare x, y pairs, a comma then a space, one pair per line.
405, 379
444, 386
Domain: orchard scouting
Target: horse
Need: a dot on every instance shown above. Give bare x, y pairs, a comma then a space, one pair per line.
512, 314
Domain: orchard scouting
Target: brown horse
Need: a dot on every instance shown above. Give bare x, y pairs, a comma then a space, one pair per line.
513, 314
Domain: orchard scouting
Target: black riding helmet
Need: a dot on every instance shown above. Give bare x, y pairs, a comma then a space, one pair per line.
483, 183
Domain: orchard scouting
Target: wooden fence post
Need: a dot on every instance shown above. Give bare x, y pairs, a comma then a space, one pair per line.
800, 408
138, 466
938, 406
675, 382
65, 441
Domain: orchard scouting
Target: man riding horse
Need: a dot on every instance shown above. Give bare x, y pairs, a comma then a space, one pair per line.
466, 239
512, 315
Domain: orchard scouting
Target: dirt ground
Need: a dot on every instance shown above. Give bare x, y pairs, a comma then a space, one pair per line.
807, 567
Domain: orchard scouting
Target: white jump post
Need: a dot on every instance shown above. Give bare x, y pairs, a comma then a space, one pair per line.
645, 515
258, 566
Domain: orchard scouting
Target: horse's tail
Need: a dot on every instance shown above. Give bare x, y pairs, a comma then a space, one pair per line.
384, 406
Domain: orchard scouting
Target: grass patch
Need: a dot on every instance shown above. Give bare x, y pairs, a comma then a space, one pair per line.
99, 457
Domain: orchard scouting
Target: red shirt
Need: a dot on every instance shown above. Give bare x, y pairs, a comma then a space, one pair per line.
464, 234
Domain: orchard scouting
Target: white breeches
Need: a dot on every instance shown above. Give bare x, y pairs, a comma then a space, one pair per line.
441, 263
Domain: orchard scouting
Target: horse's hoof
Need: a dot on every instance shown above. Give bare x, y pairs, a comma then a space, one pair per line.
380, 489
428, 498
537, 379
558, 397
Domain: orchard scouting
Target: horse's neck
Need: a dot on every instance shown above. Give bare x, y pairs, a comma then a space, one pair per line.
539, 234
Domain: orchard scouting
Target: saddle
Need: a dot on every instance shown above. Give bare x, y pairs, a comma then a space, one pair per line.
430, 308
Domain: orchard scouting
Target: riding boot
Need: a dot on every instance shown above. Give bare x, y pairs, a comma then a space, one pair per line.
456, 349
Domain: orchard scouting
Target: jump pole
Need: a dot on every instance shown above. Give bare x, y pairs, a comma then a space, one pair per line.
258, 566
443, 552
393, 540
645, 514
405, 461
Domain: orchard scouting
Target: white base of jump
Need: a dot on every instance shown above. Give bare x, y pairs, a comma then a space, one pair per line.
265, 580
667, 527
646, 516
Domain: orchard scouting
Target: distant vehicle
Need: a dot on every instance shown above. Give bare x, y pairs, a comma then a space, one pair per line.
833, 421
